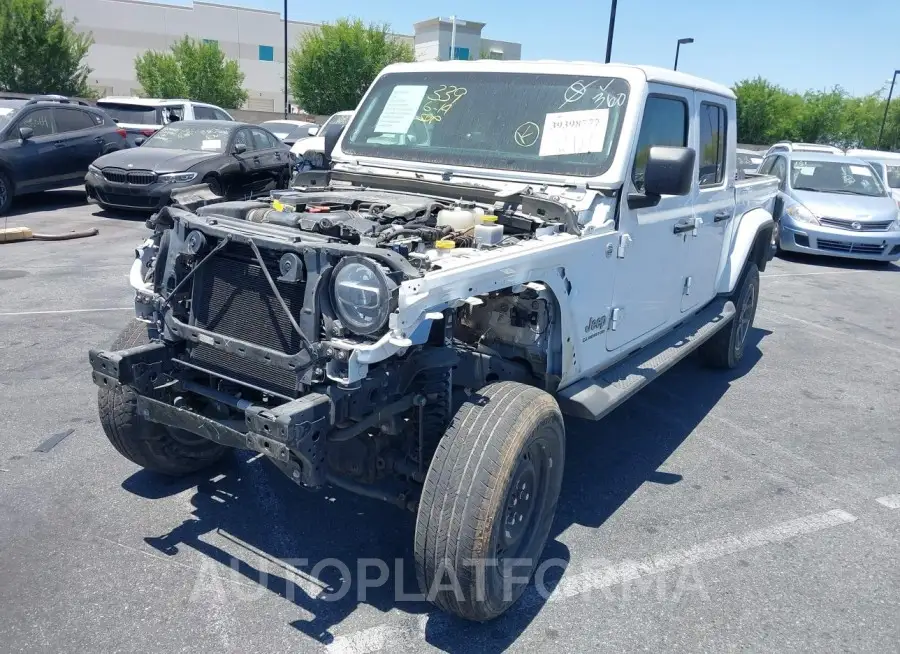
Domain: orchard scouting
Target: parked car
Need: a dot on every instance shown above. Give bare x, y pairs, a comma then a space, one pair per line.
314, 143
236, 160
886, 164
48, 142
790, 146
748, 161
833, 204
336, 336
289, 131
141, 117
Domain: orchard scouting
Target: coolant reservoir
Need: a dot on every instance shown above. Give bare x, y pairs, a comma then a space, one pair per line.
487, 231
459, 218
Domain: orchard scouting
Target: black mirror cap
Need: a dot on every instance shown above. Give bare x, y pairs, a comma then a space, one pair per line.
331, 136
140, 140
25, 133
240, 148
670, 171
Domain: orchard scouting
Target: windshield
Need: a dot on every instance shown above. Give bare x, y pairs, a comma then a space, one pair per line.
541, 123
835, 177
337, 120
132, 113
178, 136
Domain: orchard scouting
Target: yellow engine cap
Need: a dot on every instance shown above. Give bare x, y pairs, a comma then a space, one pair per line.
444, 245
277, 205
488, 218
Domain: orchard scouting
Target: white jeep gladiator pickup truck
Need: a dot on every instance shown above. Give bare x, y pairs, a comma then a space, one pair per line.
497, 244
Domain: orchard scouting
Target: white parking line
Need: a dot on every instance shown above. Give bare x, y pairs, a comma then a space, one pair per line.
823, 328
395, 637
43, 313
890, 501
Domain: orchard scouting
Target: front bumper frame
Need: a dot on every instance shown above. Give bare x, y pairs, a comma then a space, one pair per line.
292, 435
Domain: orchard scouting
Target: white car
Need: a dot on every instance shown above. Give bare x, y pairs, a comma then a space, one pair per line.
290, 131
794, 146
142, 117
535, 238
315, 139
886, 164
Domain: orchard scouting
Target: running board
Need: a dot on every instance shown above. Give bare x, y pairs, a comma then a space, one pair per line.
594, 397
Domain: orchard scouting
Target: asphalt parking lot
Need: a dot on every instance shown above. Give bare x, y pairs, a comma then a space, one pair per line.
758, 510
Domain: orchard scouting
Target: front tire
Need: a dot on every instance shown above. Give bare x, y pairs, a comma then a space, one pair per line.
152, 446
489, 499
6, 194
726, 348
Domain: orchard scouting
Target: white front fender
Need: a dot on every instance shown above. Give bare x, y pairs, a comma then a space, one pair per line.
748, 228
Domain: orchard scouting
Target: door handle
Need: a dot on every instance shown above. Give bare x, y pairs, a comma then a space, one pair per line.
722, 215
98, 139
59, 144
687, 226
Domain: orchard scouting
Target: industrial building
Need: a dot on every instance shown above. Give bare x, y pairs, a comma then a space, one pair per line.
124, 29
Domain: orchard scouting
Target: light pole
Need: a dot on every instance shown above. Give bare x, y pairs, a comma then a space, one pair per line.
678, 48
886, 107
612, 28
285, 61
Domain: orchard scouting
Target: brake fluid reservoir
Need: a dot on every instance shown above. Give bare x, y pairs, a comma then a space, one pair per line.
488, 232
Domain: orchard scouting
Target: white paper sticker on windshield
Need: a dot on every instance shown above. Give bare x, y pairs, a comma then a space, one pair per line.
861, 170
211, 144
400, 109
5, 111
574, 132
807, 170
281, 135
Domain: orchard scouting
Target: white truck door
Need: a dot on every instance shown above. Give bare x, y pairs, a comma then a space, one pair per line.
714, 137
649, 269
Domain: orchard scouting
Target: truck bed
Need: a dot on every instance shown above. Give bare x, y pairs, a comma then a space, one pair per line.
755, 191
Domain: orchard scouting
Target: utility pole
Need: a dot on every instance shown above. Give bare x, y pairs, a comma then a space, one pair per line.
887, 106
285, 60
452, 37
677, 48
612, 28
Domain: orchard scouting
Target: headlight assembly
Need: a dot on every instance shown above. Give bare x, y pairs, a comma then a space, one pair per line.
801, 214
362, 294
93, 170
177, 178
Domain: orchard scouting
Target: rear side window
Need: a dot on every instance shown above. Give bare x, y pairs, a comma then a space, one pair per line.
204, 113
221, 115
665, 123
132, 113
72, 120
713, 125
766, 166
893, 175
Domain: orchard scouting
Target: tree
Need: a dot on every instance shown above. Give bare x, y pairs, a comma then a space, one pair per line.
333, 66
197, 70
40, 52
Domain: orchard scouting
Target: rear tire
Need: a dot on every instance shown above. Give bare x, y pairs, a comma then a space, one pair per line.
726, 348
150, 445
489, 498
6, 193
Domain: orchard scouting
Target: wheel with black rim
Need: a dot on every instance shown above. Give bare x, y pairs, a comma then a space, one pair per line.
214, 184
150, 445
6, 193
489, 499
726, 348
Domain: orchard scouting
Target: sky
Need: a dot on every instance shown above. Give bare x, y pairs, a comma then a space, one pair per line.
799, 44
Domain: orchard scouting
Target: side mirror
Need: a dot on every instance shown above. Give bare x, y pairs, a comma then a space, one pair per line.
331, 139
25, 133
669, 171
240, 148
312, 131
139, 140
